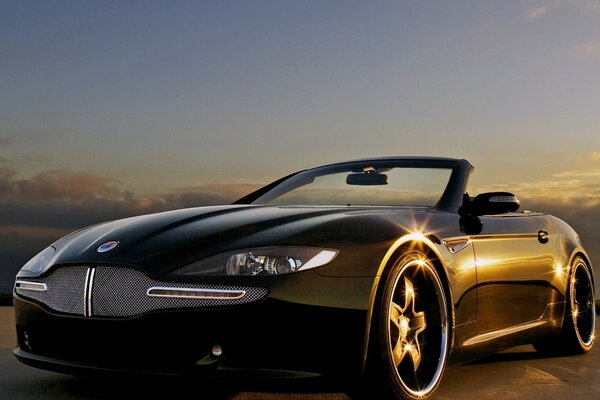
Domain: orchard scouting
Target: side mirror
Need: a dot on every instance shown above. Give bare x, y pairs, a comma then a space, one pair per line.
492, 203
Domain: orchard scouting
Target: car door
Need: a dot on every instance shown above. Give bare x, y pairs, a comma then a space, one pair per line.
514, 265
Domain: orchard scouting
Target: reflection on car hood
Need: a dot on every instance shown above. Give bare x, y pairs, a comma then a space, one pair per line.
161, 243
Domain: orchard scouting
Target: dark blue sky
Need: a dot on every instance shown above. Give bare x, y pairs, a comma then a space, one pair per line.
158, 94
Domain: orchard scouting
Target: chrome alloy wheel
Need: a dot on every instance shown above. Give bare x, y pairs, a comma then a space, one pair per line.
582, 305
416, 329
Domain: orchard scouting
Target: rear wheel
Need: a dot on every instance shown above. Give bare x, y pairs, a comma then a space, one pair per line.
579, 325
412, 338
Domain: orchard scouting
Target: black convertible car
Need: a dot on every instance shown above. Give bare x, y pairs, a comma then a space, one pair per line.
375, 272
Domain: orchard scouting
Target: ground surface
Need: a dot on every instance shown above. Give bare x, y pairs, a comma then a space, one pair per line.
519, 373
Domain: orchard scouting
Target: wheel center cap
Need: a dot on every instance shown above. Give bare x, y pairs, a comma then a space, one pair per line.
404, 326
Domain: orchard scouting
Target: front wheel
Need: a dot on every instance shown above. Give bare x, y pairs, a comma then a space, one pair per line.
413, 331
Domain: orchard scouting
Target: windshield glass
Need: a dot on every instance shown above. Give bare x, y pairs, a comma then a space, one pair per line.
361, 185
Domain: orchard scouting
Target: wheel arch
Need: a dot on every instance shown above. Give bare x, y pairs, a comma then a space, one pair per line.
409, 243
580, 252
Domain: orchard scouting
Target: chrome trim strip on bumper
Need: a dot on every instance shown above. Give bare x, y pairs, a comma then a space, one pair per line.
33, 286
192, 293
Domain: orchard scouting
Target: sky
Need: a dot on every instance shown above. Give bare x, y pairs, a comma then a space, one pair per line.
116, 108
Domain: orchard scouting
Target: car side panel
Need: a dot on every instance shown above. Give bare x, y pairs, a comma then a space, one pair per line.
515, 272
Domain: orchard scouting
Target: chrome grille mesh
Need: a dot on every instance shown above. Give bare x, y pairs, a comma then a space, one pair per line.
122, 292
65, 293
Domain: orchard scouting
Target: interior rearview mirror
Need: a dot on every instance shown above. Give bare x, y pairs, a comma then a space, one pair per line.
367, 179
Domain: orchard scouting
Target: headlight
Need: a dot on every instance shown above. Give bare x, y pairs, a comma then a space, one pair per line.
261, 261
39, 263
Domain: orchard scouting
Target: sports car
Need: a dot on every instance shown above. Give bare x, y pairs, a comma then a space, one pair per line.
374, 273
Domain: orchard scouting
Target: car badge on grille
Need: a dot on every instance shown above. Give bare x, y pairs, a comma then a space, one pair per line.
108, 246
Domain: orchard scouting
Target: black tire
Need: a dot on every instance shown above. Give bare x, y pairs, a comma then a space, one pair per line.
411, 334
579, 324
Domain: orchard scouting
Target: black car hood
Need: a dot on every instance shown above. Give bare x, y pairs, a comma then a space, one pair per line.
161, 243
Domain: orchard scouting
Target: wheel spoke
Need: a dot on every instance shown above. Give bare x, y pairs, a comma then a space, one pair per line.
414, 350
409, 295
398, 353
410, 324
395, 315
417, 322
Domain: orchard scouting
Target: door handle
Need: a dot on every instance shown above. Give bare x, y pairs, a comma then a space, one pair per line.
543, 236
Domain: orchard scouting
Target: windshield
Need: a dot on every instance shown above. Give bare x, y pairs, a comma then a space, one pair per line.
361, 185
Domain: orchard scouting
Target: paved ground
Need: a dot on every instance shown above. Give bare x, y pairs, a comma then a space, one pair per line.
519, 373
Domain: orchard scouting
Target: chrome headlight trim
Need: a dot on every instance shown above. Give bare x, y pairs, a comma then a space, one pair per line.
261, 261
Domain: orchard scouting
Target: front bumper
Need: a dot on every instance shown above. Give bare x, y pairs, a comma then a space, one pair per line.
271, 337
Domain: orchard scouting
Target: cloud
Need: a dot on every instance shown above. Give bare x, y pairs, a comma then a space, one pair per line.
6, 185
37, 210
65, 198
211, 193
537, 12
594, 157
66, 184
4, 140
593, 173
540, 9
577, 188
589, 50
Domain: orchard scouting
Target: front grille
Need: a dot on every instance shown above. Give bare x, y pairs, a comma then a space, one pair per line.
123, 292
65, 293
